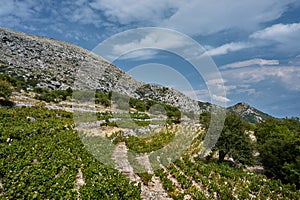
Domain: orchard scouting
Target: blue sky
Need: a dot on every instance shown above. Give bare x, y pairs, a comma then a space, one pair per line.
254, 43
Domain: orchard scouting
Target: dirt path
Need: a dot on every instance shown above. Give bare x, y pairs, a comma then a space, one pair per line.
122, 163
154, 189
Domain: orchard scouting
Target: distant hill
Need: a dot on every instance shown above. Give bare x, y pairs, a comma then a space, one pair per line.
248, 112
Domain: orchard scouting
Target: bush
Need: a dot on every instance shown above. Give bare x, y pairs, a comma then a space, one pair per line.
55, 95
6, 103
103, 99
5, 89
17, 82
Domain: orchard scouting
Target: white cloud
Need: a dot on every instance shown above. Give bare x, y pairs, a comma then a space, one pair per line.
215, 81
200, 94
146, 42
233, 87
206, 17
131, 11
284, 36
204, 96
250, 62
81, 12
196, 17
278, 32
227, 48
287, 76
85, 15
140, 55
154, 39
12, 12
21, 9
220, 98
230, 87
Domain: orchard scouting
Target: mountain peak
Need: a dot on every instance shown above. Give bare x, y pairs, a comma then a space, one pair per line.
248, 112
242, 104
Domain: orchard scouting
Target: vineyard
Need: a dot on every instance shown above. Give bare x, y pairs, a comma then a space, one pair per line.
43, 157
99, 136
198, 179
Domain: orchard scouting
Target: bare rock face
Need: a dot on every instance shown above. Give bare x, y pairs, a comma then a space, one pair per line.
57, 65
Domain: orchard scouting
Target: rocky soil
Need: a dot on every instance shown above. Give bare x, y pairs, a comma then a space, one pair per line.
154, 189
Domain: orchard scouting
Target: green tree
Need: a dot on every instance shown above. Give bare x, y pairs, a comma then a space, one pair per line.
279, 147
137, 104
102, 98
5, 89
234, 142
204, 119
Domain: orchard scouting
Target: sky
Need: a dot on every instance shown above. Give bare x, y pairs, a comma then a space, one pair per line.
255, 44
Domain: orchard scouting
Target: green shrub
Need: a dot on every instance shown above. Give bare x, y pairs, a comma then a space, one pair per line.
5, 89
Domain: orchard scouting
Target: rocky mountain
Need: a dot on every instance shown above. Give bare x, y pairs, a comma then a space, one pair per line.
54, 64
248, 113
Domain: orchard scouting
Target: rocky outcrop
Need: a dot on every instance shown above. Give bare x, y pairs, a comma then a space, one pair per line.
54, 64
249, 113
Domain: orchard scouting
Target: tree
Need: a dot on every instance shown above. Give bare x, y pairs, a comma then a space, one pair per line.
234, 142
204, 119
5, 89
279, 147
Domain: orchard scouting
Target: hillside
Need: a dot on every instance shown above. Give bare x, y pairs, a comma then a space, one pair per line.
42, 157
135, 142
248, 112
55, 65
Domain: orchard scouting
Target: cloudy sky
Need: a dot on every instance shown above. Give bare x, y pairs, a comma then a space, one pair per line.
254, 43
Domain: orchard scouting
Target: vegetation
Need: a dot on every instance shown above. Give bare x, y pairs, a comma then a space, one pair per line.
214, 180
139, 105
17, 83
103, 99
41, 155
278, 142
120, 101
144, 144
5, 89
204, 119
279, 146
233, 141
149, 144
53, 96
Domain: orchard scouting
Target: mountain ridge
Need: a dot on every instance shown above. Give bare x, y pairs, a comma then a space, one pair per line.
55, 64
